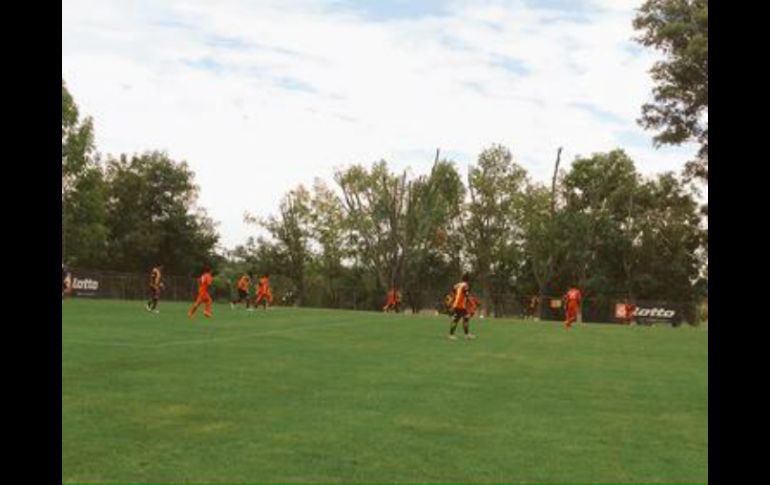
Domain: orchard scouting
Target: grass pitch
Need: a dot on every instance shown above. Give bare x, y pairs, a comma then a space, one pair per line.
303, 395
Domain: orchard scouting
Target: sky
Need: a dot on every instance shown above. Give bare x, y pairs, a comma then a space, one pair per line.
258, 96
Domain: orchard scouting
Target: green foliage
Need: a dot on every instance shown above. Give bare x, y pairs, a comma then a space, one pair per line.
153, 216
84, 231
290, 230
605, 228
679, 113
492, 220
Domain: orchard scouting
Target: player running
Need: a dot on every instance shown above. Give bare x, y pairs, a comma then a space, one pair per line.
155, 286
264, 295
204, 281
244, 283
392, 300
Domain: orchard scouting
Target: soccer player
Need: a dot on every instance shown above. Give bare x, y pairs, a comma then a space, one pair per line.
533, 304
264, 295
629, 309
572, 299
460, 308
243, 291
155, 285
66, 281
392, 300
204, 281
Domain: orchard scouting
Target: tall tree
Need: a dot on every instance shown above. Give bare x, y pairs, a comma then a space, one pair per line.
433, 207
77, 141
327, 229
540, 236
291, 232
491, 226
84, 229
598, 191
153, 215
670, 243
678, 28
83, 217
375, 202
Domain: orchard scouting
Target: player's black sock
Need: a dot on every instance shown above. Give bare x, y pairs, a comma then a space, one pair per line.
453, 327
466, 327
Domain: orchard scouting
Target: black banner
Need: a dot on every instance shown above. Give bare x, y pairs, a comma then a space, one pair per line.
650, 312
85, 283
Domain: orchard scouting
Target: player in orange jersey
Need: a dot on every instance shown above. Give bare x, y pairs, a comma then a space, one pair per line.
392, 300
572, 299
204, 281
244, 283
460, 308
264, 295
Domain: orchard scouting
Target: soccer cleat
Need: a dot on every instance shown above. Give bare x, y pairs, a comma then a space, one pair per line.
452, 337
469, 336
156, 311
147, 307
232, 306
207, 315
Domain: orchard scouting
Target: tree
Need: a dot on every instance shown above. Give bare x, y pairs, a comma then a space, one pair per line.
539, 221
595, 223
83, 216
623, 236
491, 224
375, 203
431, 243
77, 141
84, 231
539, 234
671, 242
291, 232
153, 216
678, 28
327, 229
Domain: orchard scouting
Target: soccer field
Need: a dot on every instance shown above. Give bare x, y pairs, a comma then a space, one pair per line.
303, 395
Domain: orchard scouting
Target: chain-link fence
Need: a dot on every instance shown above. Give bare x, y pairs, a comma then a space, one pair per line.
133, 286
128, 286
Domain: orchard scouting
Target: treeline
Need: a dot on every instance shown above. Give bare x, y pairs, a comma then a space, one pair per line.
598, 224
128, 213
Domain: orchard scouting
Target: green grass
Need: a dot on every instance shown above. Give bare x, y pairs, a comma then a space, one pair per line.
302, 395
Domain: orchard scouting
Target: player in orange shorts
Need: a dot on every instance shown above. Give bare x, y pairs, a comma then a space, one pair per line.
204, 281
393, 298
573, 298
628, 313
264, 295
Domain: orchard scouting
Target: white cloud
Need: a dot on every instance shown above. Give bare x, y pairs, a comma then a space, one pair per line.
260, 97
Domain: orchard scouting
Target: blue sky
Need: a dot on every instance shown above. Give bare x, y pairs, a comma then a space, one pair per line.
259, 96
